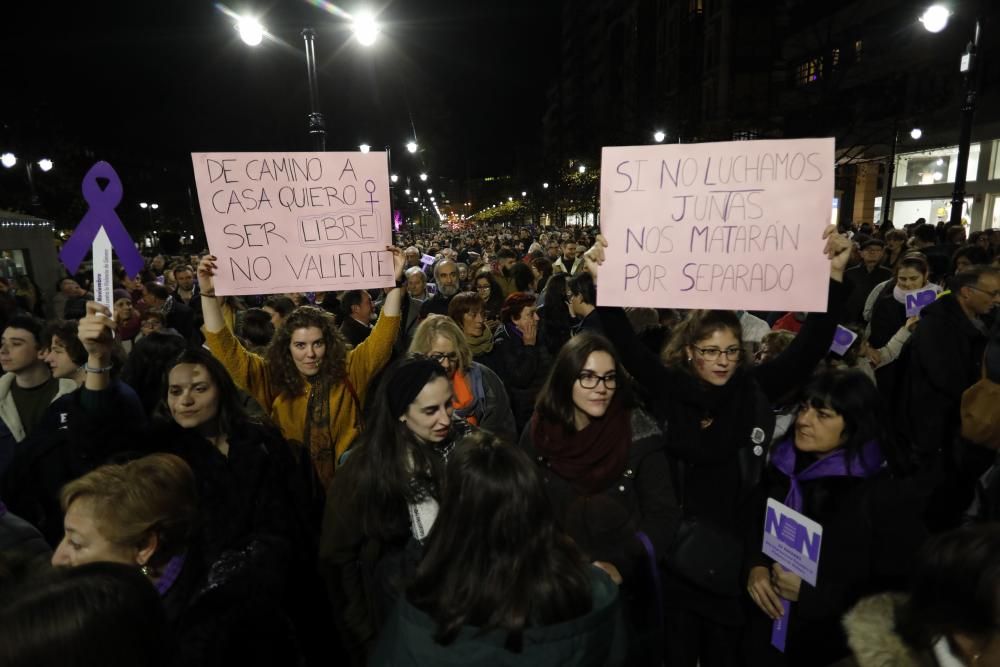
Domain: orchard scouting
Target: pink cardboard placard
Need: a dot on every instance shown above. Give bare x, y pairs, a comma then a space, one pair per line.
296, 222
734, 225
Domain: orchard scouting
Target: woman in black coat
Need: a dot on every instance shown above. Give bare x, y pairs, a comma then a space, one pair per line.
522, 362
836, 469
719, 418
607, 477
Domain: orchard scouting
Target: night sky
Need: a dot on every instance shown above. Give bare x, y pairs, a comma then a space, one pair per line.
147, 83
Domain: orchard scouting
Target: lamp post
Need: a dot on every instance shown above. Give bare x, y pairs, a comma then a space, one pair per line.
365, 31
9, 160
890, 169
935, 19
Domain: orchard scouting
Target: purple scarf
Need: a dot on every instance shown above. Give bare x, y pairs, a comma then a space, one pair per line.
170, 574
864, 464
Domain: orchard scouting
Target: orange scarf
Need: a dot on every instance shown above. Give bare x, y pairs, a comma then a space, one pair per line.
464, 397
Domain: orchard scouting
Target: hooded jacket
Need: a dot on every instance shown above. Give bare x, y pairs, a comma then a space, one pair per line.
595, 639
12, 432
871, 634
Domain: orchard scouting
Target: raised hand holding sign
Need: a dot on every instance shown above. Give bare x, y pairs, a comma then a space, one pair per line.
102, 231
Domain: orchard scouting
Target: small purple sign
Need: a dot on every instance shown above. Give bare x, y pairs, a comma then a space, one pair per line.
843, 338
793, 541
915, 301
427, 260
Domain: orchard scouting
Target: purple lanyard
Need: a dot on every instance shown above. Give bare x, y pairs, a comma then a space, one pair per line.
654, 569
170, 574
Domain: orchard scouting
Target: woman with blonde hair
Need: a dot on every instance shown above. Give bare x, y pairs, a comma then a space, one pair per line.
479, 396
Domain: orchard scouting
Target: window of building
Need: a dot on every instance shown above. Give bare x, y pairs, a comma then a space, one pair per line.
809, 71
696, 6
834, 58
934, 167
858, 49
746, 135
12, 263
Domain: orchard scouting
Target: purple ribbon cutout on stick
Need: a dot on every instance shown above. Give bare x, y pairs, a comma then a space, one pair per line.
101, 214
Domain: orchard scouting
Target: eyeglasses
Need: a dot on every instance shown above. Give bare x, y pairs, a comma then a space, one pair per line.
712, 353
993, 293
452, 357
591, 380
482, 289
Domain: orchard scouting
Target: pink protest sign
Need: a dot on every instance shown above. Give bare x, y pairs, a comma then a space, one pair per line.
296, 222
733, 225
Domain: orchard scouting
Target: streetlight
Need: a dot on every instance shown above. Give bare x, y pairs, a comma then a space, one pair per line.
890, 169
364, 148
430, 190
411, 146
545, 186
45, 164
935, 19
394, 178
582, 169
8, 160
659, 136
423, 176
365, 30
407, 191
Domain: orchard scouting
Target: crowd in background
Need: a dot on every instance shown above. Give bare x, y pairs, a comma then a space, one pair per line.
483, 466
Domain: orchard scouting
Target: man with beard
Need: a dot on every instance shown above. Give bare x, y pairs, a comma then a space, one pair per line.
446, 279
506, 259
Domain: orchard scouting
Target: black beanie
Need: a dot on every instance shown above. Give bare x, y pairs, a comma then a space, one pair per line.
407, 380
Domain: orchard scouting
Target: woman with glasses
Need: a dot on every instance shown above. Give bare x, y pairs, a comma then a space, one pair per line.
491, 293
718, 411
607, 476
479, 395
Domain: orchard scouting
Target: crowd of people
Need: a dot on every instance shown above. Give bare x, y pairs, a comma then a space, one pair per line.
481, 466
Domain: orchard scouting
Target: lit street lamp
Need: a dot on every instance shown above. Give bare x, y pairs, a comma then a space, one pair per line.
935, 19
364, 148
411, 146
916, 133
582, 169
890, 169
365, 30
545, 186
423, 177
394, 178
8, 160
659, 136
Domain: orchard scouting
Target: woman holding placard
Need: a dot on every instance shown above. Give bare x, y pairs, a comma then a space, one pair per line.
719, 423
836, 469
309, 383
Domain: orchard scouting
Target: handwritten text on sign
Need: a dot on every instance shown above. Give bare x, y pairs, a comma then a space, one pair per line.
296, 222
735, 225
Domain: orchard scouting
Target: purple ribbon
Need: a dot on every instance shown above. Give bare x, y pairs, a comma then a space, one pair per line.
101, 214
866, 463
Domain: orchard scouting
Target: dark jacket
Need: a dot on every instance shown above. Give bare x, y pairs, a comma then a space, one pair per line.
719, 462
888, 315
436, 305
862, 282
596, 639
82, 431
523, 370
871, 529
22, 547
355, 332
946, 352
181, 318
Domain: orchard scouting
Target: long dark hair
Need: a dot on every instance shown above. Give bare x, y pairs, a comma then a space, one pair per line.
144, 368
495, 558
388, 459
555, 400
231, 416
854, 397
553, 316
93, 615
956, 587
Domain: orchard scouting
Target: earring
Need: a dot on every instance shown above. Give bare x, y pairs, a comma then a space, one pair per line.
146, 571
689, 360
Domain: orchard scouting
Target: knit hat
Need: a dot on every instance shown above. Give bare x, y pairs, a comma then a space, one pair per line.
407, 379
121, 294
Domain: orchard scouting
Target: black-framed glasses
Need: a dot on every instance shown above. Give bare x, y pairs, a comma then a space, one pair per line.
993, 293
712, 353
591, 380
483, 289
452, 357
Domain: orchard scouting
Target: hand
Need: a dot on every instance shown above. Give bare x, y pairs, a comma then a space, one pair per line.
97, 330
529, 334
398, 262
874, 356
610, 570
594, 257
786, 583
838, 251
911, 323
763, 593
206, 273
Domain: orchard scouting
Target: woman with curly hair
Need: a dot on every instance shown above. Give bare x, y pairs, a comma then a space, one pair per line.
307, 380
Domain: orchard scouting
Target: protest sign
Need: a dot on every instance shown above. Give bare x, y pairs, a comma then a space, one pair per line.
101, 231
296, 222
915, 301
793, 541
734, 225
843, 339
